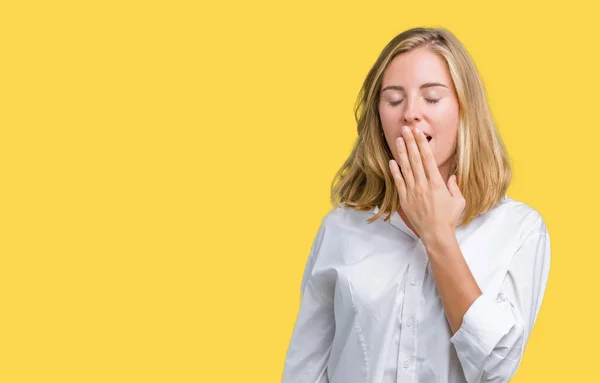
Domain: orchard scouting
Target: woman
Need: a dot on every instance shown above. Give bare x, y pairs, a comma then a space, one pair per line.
447, 287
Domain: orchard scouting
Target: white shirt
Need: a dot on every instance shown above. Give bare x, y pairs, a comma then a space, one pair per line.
370, 311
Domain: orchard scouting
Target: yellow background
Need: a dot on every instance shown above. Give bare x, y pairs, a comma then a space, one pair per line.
165, 166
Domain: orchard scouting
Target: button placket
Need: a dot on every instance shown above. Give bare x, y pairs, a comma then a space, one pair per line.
412, 292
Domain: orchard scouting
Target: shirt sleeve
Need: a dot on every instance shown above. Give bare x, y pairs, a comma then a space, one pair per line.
312, 337
492, 337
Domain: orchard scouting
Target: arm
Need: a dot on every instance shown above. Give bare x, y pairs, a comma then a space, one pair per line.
491, 333
453, 278
310, 344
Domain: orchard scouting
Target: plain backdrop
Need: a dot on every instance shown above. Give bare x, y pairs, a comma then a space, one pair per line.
164, 166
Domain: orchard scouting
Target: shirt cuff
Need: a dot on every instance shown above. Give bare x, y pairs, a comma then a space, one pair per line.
484, 324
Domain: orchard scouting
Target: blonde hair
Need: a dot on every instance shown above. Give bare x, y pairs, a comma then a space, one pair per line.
480, 160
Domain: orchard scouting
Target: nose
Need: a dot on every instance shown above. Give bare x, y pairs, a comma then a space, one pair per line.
412, 110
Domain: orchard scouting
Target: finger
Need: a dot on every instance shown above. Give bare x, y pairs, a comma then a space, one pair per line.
407, 173
398, 180
453, 187
431, 169
414, 157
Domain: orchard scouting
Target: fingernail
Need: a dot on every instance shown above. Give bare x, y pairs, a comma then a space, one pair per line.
417, 130
399, 140
405, 129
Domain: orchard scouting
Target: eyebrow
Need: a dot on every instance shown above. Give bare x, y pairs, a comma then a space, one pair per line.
426, 85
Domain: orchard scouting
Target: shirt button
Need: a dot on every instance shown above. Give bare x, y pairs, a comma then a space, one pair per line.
409, 322
406, 364
413, 282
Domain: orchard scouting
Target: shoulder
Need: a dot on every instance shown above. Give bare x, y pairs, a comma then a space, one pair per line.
343, 219
520, 216
345, 230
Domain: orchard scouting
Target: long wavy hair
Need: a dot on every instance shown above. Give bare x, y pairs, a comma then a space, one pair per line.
480, 160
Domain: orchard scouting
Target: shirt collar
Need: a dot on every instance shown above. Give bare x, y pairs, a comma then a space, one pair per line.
398, 222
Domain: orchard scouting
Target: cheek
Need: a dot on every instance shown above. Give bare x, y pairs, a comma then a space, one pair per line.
446, 128
387, 116
446, 121
388, 122
447, 115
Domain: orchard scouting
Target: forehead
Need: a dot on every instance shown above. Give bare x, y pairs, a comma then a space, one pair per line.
416, 67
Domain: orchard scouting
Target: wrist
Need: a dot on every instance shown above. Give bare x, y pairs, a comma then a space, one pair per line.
439, 239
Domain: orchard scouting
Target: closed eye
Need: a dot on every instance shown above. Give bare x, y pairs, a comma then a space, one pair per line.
429, 100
